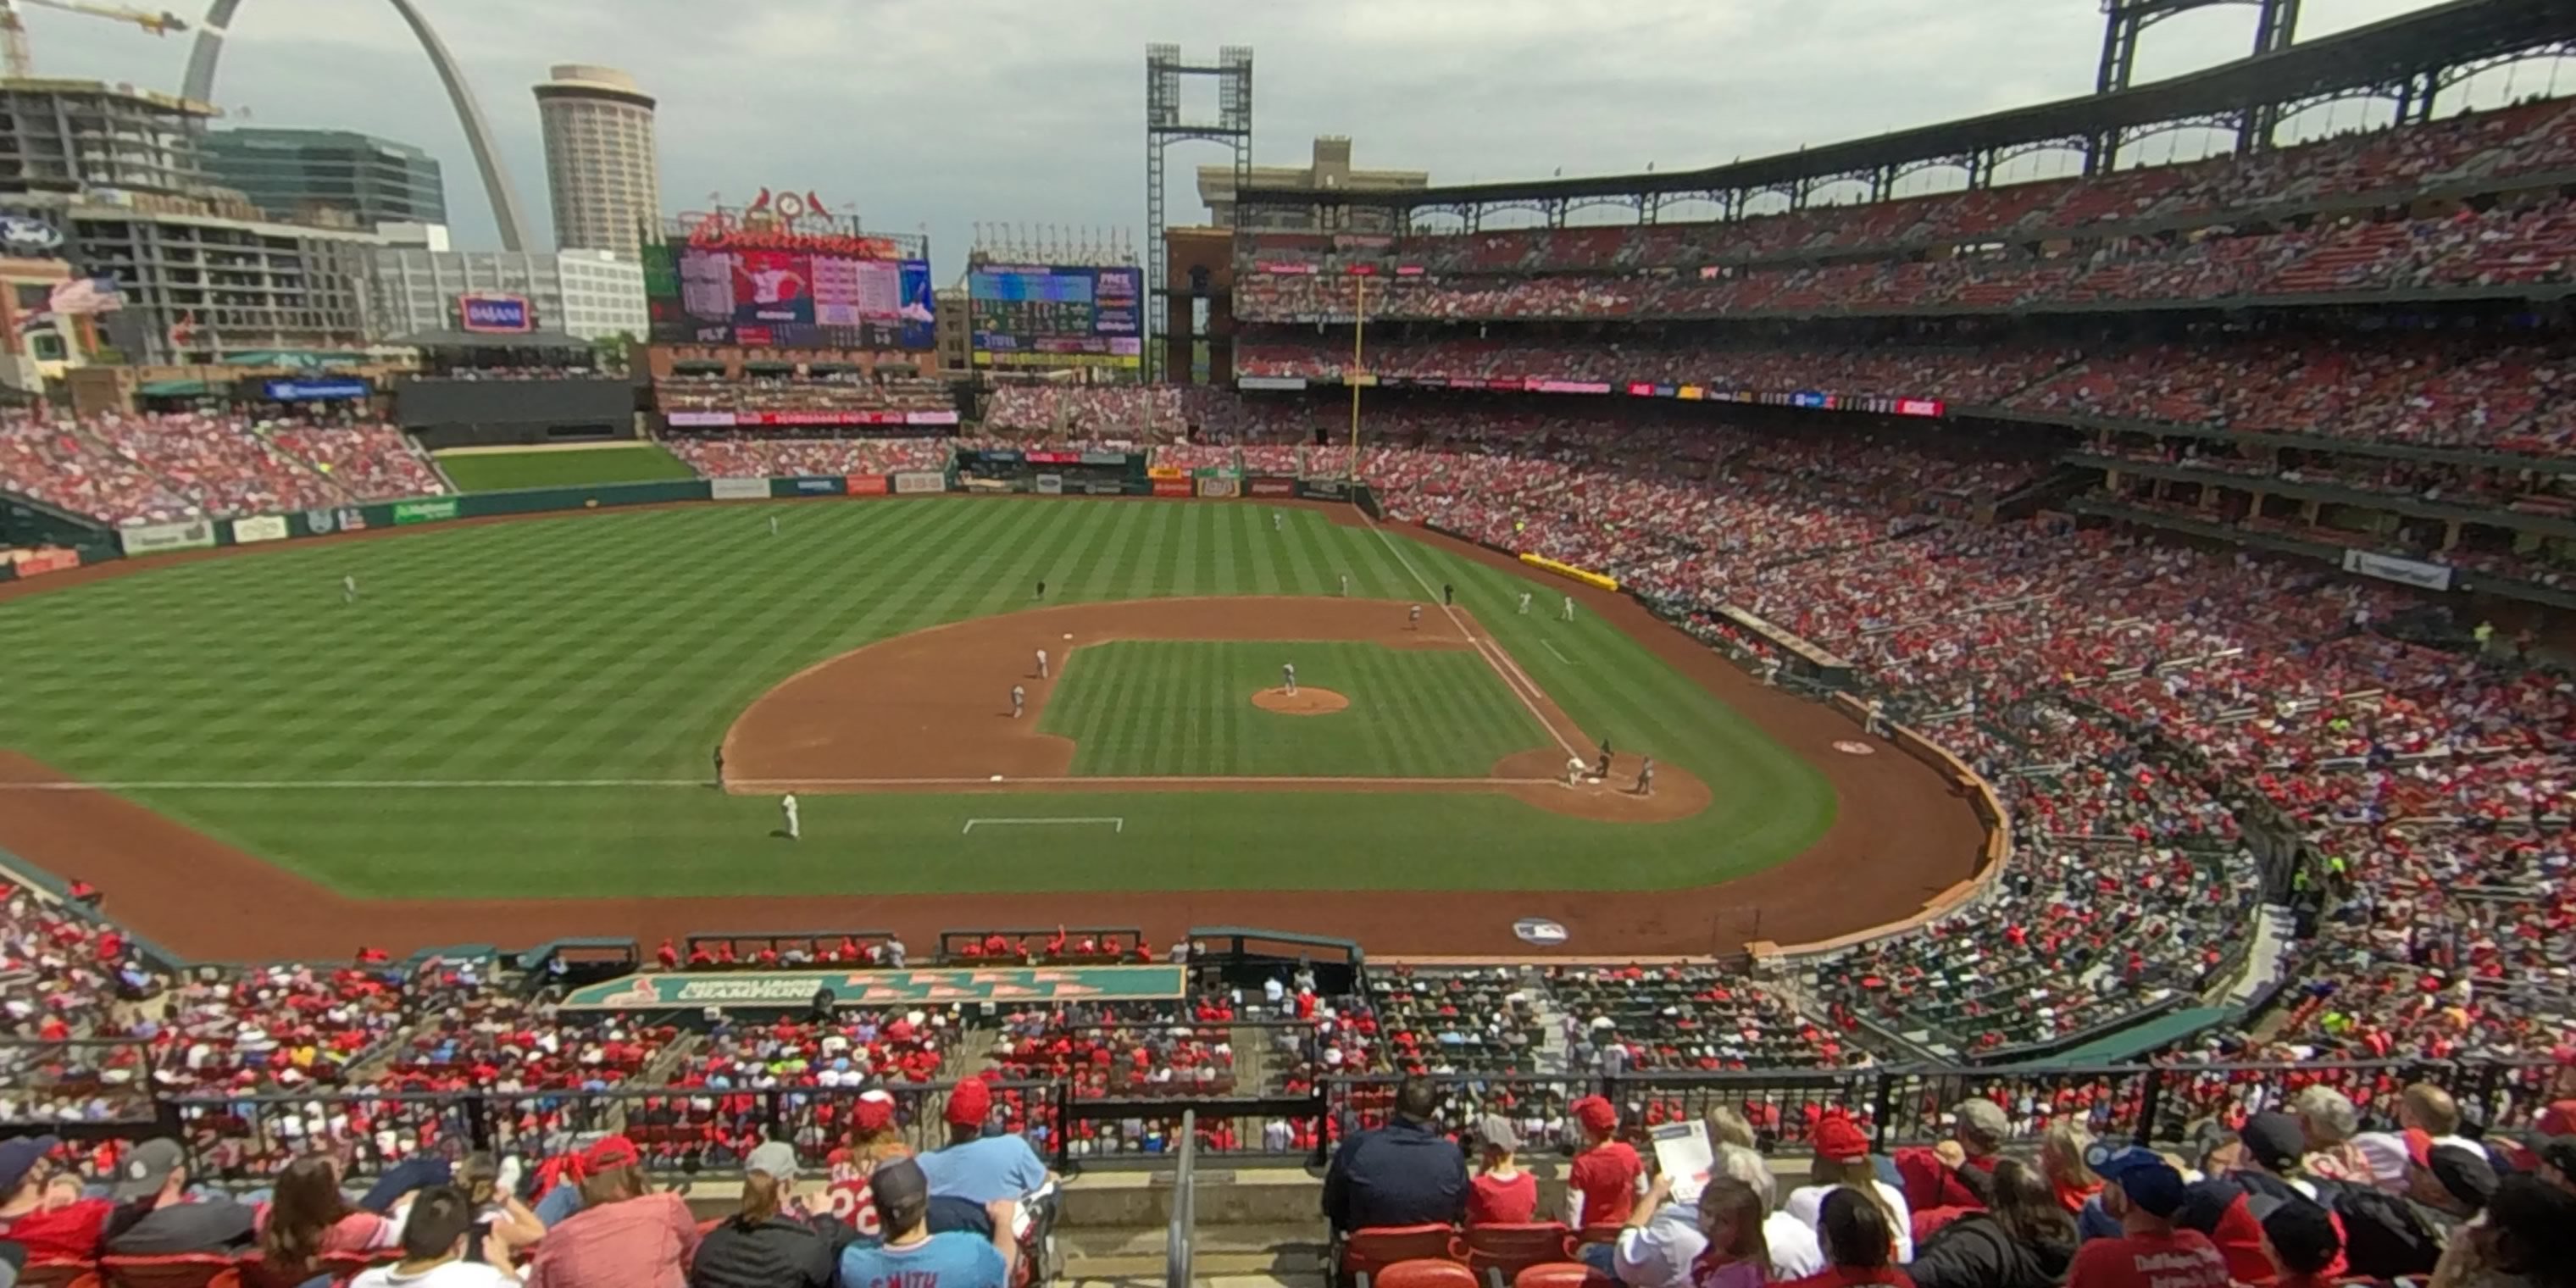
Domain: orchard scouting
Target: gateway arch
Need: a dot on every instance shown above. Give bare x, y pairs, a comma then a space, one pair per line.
506, 213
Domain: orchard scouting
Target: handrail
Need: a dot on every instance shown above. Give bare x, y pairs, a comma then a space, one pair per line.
1179, 1245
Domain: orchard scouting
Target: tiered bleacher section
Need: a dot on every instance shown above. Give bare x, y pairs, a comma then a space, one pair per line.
153, 469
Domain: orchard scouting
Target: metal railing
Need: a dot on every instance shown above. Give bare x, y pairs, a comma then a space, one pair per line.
1179, 1245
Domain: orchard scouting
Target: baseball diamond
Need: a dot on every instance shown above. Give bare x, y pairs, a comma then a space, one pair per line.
520, 714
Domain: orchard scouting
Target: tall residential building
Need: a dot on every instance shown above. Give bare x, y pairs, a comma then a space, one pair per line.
587, 294
1330, 168
329, 175
602, 172
71, 136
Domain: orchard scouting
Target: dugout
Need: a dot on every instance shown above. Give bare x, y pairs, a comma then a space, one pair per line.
1244, 957
742, 949
522, 389
1111, 945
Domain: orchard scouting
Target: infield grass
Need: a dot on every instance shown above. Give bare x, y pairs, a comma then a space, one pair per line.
347, 741
1164, 707
502, 471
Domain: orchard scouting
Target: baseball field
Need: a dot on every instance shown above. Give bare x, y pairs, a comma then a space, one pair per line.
517, 723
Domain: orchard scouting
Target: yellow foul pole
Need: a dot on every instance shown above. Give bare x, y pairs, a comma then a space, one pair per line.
1359, 325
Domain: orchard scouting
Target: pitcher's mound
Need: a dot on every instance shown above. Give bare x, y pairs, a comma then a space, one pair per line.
1306, 701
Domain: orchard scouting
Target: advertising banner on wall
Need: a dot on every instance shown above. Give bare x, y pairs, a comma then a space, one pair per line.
2412, 572
36, 563
1269, 382
699, 419
1103, 487
437, 510
869, 484
1171, 487
819, 485
152, 538
1166, 472
738, 489
1260, 486
1324, 489
914, 482
1050, 485
265, 527
1218, 486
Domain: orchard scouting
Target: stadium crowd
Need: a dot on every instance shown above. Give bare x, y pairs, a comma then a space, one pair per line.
162, 468
752, 455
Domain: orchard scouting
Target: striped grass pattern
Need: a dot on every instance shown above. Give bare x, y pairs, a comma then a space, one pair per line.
1160, 707
501, 471
619, 646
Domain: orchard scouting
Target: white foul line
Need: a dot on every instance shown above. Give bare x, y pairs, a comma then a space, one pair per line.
1503, 666
1550, 646
1115, 824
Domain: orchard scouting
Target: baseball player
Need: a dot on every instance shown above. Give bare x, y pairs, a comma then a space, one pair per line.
1288, 678
1346, 585
1568, 614
1019, 700
348, 590
1276, 521
1042, 665
1413, 618
1771, 674
1525, 603
787, 811
1041, 591
1646, 776
719, 766
1448, 593
1604, 770
773, 525
1573, 771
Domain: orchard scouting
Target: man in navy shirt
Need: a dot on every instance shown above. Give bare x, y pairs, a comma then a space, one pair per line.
1405, 1173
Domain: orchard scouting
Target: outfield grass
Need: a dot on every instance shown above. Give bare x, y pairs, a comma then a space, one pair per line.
615, 647
1161, 707
501, 471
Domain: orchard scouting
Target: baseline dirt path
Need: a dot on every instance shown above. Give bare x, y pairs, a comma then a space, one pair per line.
931, 710
1901, 837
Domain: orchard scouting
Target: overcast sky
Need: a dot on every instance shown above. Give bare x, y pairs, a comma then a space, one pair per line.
946, 113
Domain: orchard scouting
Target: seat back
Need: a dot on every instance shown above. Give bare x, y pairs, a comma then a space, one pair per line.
1562, 1274
59, 1274
1365, 1252
1509, 1249
1426, 1272
179, 1270
1599, 1233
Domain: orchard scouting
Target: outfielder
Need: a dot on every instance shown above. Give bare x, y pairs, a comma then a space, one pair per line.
1042, 669
773, 525
348, 590
719, 766
787, 811
1524, 603
1276, 520
1346, 585
1413, 619
1646, 776
1019, 700
1568, 614
1288, 678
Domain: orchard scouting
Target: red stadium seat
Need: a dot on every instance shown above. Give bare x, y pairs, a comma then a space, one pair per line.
1563, 1274
59, 1274
1426, 1272
1498, 1253
1599, 1234
1366, 1252
181, 1270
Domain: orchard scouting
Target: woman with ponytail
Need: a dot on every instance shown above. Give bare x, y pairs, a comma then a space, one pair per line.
770, 1241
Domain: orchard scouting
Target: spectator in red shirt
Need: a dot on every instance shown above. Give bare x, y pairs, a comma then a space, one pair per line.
1602, 1185
44, 1212
1501, 1194
2142, 1192
1979, 1128
625, 1236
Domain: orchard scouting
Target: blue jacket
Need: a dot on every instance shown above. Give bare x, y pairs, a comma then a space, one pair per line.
1401, 1174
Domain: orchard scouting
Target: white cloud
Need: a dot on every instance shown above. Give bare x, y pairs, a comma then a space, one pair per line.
946, 113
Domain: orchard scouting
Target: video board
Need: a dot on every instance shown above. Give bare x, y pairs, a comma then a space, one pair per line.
792, 299
1032, 315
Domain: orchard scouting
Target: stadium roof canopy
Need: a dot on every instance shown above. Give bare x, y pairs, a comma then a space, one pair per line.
2380, 58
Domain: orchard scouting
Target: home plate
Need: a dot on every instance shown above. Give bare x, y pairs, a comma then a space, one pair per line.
997, 778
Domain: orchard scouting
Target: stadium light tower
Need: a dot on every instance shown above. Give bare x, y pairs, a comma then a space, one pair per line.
2276, 24
1164, 127
506, 212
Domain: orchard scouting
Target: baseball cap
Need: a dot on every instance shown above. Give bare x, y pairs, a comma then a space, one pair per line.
2559, 1119
774, 1158
1982, 1117
2275, 1141
1837, 1140
2468, 1176
874, 1112
2151, 1183
1496, 1132
970, 1104
19, 1157
1596, 1115
2304, 1235
898, 1187
146, 1167
610, 1152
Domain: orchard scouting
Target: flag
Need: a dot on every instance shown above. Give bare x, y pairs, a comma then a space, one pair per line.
86, 295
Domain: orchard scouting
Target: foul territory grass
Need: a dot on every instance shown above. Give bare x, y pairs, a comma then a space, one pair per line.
502, 471
1167, 707
619, 646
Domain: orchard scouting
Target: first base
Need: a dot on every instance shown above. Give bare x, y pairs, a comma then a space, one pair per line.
997, 778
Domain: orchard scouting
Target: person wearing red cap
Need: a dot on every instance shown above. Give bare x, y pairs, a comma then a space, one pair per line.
1841, 1157
874, 1139
974, 1166
625, 1235
1602, 1186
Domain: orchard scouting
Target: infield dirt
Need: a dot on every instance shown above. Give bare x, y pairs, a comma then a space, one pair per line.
1902, 835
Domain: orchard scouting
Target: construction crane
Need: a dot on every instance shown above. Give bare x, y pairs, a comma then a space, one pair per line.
16, 59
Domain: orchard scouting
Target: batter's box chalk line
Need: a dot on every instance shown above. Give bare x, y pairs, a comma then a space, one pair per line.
1113, 824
